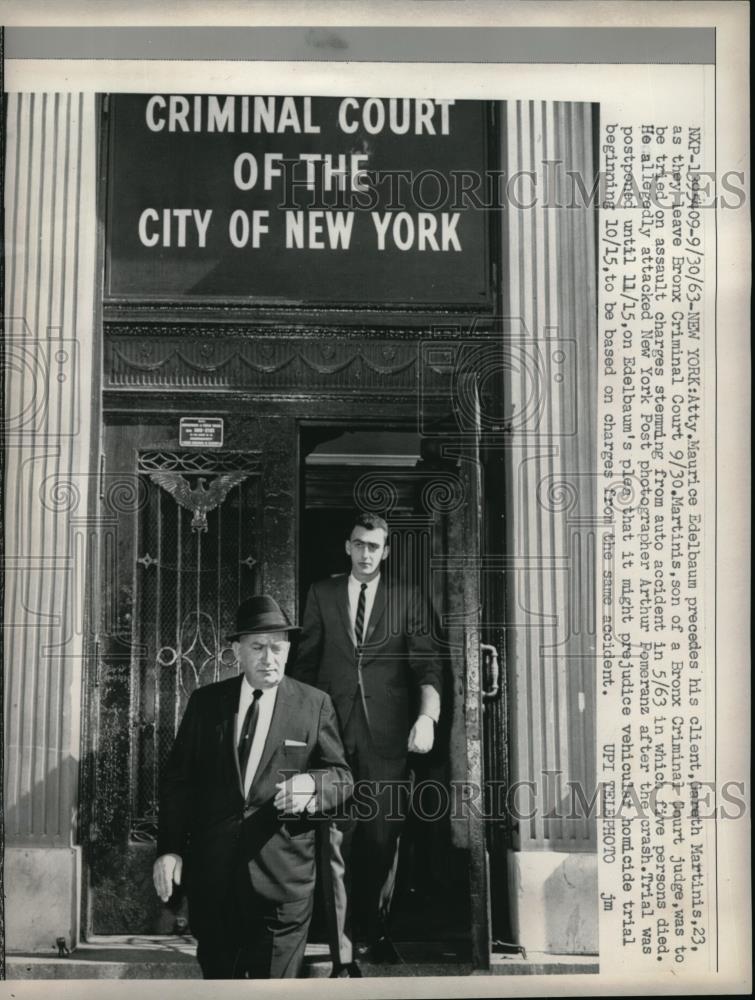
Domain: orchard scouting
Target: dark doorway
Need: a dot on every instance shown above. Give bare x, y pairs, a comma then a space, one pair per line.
384, 470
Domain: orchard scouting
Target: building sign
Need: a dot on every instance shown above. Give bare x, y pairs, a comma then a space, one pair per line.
201, 432
298, 200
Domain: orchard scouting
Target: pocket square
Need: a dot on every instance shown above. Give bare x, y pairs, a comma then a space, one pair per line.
294, 743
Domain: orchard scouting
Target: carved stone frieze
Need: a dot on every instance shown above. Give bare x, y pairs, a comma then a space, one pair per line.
270, 365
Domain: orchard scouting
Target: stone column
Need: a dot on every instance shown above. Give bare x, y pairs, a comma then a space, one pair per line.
550, 290
49, 309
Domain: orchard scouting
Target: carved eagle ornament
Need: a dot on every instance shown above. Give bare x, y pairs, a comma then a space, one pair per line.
198, 500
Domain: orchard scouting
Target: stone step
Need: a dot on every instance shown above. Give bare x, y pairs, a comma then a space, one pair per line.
173, 958
542, 964
112, 958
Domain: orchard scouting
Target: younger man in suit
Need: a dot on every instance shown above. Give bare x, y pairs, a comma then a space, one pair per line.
253, 756
369, 645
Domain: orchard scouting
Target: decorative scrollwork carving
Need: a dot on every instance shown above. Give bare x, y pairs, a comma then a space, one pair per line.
197, 652
274, 364
198, 461
144, 829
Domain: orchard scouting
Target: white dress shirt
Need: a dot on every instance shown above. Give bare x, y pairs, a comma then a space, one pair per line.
369, 599
265, 710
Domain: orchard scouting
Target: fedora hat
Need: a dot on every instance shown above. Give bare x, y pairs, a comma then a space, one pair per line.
260, 614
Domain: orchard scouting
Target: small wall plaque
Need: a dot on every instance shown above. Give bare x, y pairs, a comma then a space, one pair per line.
201, 432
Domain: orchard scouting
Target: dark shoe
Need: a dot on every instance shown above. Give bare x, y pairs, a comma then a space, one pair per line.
345, 970
383, 952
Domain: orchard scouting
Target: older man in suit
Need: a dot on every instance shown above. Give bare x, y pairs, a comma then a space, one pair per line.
369, 645
256, 757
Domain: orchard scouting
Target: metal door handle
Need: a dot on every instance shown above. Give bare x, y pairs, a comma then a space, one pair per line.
495, 687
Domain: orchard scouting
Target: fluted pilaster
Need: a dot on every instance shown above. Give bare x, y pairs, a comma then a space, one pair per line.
551, 328
50, 233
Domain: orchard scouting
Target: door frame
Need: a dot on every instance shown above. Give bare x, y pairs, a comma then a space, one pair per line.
169, 404
466, 448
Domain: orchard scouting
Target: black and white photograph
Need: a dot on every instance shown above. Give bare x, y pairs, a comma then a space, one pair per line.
356, 521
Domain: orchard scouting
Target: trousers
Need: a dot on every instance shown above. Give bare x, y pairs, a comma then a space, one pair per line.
358, 856
244, 936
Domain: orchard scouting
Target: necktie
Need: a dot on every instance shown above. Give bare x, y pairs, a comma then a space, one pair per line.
247, 732
359, 621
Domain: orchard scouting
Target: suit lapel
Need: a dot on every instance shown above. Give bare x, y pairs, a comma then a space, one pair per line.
283, 704
229, 711
342, 603
377, 613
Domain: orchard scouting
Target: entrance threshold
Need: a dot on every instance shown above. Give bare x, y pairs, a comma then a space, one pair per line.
129, 956
540, 963
147, 957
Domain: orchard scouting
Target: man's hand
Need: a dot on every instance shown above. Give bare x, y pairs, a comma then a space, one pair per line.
422, 736
165, 871
295, 794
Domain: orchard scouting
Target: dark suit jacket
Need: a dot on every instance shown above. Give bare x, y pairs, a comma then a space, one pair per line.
398, 654
203, 815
